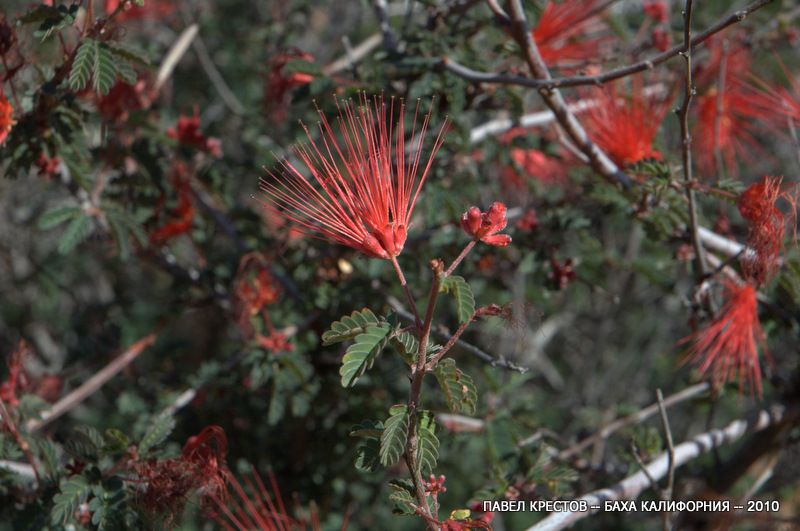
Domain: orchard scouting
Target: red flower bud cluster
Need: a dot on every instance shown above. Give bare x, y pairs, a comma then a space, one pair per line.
187, 132
657, 10
484, 226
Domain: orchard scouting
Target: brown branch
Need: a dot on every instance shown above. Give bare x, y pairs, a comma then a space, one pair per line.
91, 385
617, 73
19, 439
415, 393
686, 143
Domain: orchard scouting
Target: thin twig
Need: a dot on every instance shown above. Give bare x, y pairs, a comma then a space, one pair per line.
407, 291
670, 455
642, 466
631, 487
389, 38
459, 258
686, 143
415, 393
11, 426
482, 355
635, 418
174, 55
617, 73
91, 385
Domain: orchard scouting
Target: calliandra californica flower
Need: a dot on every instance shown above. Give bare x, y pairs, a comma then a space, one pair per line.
766, 226
537, 165
484, 226
624, 125
564, 28
727, 348
6, 118
363, 187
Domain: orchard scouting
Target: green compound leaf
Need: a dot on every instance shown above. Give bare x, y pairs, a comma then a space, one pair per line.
349, 326
105, 70
73, 493
56, 216
458, 388
393, 438
403, 496
77, 231
361, 355
160, 429
406, 345
462, 293
83, 65
428, 443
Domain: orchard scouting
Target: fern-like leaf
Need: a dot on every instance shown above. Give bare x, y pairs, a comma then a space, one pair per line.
361, 355
394, 435
462, 293
458, 388
349, 326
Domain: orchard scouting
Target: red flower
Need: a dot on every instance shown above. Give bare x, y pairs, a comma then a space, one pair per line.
767, 227
254, 286
777, 104
277, 91
727, 348
484, 226
366, 187
624, 126
562, 274
152, 9
48, 167
529, 221
183, 216
123, 99
17, 379
563, 33
275, 342
167, 483
536, 164
187, 132
657, 10
434, 486
723, 126
661, 39
6, 117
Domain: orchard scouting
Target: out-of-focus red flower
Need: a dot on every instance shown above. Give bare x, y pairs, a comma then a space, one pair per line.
166, 484
562, 274
624, 125
528, 222
48, 166
567, 31
187, 132
661, 39
657, 10
279, 85
17, 379
6, 117
766, 228
151, 10
727, 348
122, 100
275, 342
484, 226
776, 104
537, 165
254, 286
367, 184
723, 126
183, 216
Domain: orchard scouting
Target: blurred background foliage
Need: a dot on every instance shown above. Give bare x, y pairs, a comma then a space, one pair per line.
601, 289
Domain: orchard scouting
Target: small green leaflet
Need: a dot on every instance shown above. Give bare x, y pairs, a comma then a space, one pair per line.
393, 438
462, 293
428, 443
160, 429
361, 355
103, 63
403, 496
458, 388
349, 326
74, 492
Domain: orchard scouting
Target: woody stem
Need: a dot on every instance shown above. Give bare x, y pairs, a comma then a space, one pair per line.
459, 258
415, 393
407, 291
